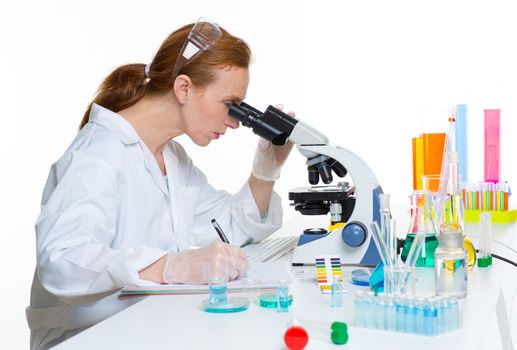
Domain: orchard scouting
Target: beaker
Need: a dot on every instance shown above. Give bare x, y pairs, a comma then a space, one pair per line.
431, 183
451, 265
421, 221
399, 279
217, 283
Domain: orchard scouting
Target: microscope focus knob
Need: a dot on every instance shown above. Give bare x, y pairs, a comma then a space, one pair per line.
354, 234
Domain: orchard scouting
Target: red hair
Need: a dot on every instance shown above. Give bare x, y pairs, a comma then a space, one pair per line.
127, 84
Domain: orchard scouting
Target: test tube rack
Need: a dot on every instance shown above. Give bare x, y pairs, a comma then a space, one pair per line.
429, 316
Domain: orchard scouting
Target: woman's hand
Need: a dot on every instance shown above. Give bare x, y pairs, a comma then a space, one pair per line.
269, 159
190, 266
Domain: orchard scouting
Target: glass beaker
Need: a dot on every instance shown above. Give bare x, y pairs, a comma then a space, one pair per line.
217, 284
431, 183
451, 265
399, 279
421, 220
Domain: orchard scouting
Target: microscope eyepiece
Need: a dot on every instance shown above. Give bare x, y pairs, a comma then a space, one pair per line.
244, 113
272, 125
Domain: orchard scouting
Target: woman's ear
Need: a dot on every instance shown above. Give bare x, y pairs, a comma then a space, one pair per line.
182, 88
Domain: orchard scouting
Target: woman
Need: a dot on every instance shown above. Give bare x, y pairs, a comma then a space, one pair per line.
126, 203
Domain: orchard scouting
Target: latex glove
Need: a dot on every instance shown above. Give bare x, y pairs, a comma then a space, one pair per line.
269, 158
190, 266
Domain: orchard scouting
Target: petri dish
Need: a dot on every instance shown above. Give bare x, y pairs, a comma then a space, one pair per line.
269, 300
233, 305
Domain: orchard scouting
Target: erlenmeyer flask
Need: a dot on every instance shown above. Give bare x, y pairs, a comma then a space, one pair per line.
421, 220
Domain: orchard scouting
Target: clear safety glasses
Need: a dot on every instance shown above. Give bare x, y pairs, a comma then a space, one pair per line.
203, 36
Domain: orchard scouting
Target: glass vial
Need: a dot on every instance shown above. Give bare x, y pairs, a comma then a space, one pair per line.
451, 262
282, 295
337, 291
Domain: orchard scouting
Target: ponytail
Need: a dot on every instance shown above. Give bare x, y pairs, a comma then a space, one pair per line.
121, 89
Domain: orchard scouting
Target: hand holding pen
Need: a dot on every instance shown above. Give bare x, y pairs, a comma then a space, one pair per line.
223, 236
189, 266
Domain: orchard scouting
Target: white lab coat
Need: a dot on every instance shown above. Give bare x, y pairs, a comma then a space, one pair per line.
106, 213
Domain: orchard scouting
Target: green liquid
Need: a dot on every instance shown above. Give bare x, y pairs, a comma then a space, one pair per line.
424, 260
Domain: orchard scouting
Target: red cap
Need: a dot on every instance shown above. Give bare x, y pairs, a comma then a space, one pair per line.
296, 338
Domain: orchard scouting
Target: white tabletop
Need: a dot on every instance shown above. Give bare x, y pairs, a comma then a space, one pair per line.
177, 321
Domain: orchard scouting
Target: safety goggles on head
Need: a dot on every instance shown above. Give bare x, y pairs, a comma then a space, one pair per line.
203, 36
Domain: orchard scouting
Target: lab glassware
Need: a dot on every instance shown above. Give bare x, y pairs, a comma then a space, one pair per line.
421, 221
492, 168
451, 262
282, 294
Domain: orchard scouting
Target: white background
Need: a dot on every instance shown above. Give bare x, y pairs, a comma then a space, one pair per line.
368, 74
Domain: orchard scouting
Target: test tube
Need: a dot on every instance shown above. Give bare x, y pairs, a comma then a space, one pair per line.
400, 312
391, 316
440, 310
462, 140
386, 228
485, 223
282, 295
359, 304
430, 317
455, 315
412, 257
492, 168
446, 316
411, 314
380, 243
369, 310
499, 187
506, 194
419, 323
337, 291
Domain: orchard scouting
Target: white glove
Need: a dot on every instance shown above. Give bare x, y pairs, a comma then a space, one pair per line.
269, 158
190, 266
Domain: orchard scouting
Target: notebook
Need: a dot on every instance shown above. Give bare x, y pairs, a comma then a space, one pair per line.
267, 274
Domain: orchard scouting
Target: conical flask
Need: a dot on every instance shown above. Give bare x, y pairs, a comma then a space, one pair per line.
421, 221
453, 210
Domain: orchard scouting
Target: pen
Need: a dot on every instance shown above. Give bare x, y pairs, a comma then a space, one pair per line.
220, 231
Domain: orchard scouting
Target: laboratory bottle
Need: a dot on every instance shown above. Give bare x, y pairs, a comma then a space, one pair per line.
421, 220
451, 262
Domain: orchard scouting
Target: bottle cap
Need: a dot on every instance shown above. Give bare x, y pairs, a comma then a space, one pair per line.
296, 338
339, 326
485, 262
339, 337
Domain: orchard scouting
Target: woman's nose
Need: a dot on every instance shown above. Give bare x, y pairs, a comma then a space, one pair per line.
232, 122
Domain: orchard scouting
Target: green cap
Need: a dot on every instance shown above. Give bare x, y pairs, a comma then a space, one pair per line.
339, 337
485, 262
339, 326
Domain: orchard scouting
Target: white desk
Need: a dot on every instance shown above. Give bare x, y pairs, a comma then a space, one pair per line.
177, 322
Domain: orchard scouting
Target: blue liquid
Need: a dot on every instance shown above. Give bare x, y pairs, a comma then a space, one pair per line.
218, 294
337, 294
282, 294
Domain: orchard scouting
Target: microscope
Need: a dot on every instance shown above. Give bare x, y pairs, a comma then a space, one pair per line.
352, 207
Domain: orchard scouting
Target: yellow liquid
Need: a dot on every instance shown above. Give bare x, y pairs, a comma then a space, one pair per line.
471, 252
